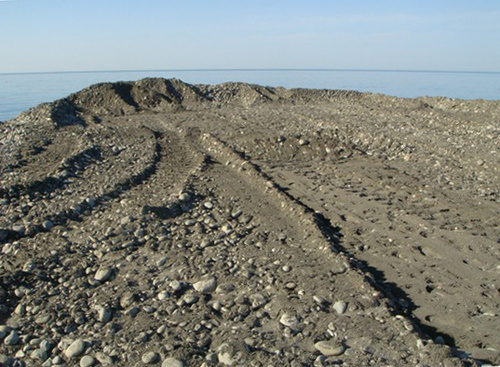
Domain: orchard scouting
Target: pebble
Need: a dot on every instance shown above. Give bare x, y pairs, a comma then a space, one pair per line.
103, 274
150, 358
330, 348
289, 320
39, 355
75, 349
87, 361
172, 362
207, 285
47, 225
340, 307
103, 314
4, 331
12, 338
5, 360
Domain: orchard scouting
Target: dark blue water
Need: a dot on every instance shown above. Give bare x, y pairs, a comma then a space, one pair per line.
19, 92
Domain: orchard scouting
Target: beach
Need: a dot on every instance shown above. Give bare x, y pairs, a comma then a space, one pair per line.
160, 222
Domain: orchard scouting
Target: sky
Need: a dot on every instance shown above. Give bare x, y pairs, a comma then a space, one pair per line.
90, 35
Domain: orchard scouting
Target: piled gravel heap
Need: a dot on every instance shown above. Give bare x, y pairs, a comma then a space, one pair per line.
141, 224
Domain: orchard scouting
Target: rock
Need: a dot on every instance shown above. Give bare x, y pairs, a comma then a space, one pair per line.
87, 361
177, 286
39, 355
206, 286
330, 348
75, 349
47, 225
103, 314
6, 361
340, 307
172, 362
4, 331
12, 338
257, 301
150, 358
103, 274
104, 359
289, 321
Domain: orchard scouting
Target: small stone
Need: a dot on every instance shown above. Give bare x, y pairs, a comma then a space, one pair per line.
47, 225
172, 362
4, 331
190, 299
330, 348
207, 285
103, 314
87, 361
103, 274
208, 205
39, 354
340, 307
5, 361
75, 349
439, 340
12, 338
150, 358
319, 300
104, 359
177, 285
289, 321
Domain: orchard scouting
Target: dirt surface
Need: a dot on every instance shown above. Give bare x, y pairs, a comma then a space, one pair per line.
161, 223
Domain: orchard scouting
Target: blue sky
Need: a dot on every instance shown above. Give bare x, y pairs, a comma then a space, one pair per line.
77, 35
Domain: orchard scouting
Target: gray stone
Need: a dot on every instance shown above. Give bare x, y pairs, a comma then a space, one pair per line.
12, 338
103, 274
330, 348
5, 361
75, 349
340, 307
4, 331
47, 225
150, 358
206, 285
40, 355
289, 320
87, 361
103, 314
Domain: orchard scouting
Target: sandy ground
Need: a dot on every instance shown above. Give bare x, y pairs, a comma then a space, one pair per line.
162, 223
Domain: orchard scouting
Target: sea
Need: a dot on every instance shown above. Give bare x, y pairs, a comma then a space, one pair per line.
20, 91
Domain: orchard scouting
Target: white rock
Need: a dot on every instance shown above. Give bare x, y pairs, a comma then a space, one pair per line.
207, 285
87, 361
340, 307
330, 348
103, 274
289, 320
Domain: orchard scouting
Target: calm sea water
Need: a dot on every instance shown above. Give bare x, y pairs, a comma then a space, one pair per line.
19, 92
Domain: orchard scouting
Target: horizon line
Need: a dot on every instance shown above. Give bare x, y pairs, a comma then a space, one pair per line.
252, 69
